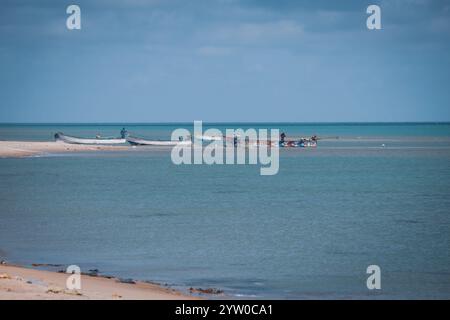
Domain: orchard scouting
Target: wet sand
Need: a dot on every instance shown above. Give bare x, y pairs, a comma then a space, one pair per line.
18, 149
19, 283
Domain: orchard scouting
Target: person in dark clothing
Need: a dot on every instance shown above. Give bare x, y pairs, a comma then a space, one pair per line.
123, 133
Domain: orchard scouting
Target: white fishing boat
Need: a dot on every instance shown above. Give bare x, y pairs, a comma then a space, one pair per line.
143, 142
301, 143
209, 138
98, 140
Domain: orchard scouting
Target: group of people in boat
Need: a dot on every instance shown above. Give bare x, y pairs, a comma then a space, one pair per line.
302, 142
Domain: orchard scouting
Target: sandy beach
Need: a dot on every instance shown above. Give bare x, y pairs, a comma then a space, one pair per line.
19, 283
17, 149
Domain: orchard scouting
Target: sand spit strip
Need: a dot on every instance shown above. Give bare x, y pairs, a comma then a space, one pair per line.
19, 283
19, 149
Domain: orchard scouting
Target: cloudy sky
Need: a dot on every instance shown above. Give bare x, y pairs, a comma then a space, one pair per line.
224, 60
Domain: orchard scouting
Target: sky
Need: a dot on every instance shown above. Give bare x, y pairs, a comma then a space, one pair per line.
224, 61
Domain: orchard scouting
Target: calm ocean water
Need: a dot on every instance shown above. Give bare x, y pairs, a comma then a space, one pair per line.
308, 232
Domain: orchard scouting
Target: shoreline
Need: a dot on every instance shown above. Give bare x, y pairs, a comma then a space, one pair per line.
21, 149
23, 283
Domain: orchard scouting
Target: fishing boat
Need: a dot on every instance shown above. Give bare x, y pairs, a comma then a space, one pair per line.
97, 140
302, 143
209, 138
143, 142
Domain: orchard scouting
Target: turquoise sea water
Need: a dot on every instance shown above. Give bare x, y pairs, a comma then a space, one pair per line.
308, 232
44, 132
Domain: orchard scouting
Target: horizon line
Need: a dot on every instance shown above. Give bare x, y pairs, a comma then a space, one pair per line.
224, 122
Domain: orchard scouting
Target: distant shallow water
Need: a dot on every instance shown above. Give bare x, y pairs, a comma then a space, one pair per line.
45, 132
308, 232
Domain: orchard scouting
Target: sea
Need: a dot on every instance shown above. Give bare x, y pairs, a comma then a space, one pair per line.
368, 194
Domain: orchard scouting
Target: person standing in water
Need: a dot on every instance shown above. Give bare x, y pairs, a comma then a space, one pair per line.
282, 137
123, 133
235, 141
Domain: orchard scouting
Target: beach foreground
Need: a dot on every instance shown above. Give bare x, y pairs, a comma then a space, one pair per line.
19, 283
17, 149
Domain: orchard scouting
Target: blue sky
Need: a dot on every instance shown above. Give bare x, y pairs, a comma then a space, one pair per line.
224, 60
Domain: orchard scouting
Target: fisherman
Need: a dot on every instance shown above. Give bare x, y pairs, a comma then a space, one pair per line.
123, 133
282, 137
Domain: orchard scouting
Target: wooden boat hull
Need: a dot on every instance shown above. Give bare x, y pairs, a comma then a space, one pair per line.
75, 140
